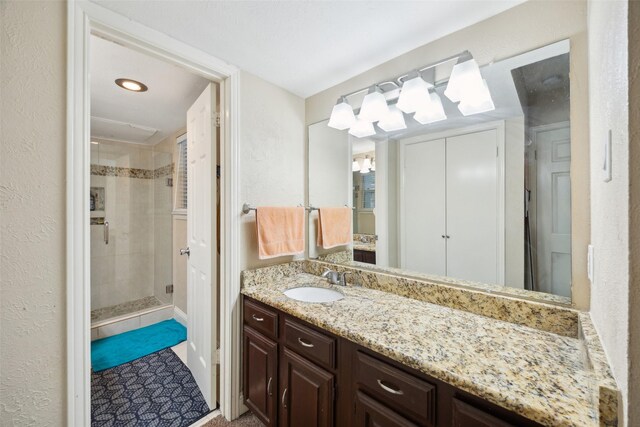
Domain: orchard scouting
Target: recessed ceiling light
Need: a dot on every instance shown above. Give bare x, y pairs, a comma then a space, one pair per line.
131, 85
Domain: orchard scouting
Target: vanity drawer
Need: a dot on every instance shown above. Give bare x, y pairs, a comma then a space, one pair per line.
261, 318
310, 343
411, 396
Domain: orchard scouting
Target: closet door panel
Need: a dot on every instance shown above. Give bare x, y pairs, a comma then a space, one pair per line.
422, 222
472, 206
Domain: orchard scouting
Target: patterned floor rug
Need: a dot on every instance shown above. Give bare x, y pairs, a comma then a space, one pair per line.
157, 390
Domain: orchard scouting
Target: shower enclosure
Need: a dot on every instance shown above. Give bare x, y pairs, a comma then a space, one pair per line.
130, 204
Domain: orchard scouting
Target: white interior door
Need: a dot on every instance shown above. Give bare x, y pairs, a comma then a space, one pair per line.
553, 151
422, 222
201, 232
472, 207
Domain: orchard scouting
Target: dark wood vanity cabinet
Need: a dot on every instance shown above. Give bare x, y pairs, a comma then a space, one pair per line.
364, 256
297, 375
307, 392
260, 375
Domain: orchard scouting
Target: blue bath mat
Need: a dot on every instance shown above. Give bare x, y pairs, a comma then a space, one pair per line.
122, 348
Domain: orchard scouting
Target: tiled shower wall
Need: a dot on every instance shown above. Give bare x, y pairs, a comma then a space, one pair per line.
136, 262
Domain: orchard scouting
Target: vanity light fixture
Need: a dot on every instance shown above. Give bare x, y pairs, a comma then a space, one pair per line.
373, 164
355, 166
366, 165
414, 95
467, 87
132, 85
362, 128
342, 116
374, 106
431, 112
392, 121
481, 102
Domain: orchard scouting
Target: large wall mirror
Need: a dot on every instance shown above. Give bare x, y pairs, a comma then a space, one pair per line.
483, 198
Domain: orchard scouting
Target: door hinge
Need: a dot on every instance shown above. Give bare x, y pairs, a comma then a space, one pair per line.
169, 289
217, 120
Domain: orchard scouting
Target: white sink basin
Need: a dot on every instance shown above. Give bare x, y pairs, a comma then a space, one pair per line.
313, 294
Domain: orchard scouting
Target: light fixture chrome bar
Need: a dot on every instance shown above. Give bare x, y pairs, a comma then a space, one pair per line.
397, 81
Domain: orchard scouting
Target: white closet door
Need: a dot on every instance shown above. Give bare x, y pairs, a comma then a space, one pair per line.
423, 207
472, 201
554, 210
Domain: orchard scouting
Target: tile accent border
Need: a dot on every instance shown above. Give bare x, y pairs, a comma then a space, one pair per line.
122, 172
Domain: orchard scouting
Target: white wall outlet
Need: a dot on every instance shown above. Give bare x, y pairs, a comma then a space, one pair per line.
590, 262
606, 166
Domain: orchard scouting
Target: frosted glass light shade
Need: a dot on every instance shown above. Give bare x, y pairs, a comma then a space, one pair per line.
373, 165
432, 112
362, 128
342, 116
465, 78
479, 102
414, 95
374, 107
355, 166
366, 165
392, 121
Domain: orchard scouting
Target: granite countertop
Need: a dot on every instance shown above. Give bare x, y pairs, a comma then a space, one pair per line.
366, 246
540, 375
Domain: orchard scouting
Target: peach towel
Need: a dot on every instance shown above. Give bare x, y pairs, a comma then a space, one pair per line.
334, 227
280, 231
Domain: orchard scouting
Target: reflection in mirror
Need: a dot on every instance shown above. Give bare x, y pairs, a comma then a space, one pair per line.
482, 198
364, 200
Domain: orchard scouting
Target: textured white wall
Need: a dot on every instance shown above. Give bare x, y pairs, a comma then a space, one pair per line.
271, 156
528, 26
609, 110
32, 209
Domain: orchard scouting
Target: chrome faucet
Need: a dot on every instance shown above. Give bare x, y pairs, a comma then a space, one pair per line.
336, 278
331, 276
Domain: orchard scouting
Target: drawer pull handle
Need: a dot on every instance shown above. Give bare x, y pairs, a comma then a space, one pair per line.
257, 319
284, 398
305, 343
269, 391
389, 389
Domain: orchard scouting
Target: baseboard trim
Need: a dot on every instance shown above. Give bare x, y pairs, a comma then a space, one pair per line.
180, 316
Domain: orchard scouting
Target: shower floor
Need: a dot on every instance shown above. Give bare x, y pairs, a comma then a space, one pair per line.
101, 314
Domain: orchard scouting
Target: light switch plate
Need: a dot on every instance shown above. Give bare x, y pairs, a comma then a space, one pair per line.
590, 262
606, 166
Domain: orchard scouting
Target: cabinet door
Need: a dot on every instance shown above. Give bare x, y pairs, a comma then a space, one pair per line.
306, 393
465, 415
260, 375
370, 413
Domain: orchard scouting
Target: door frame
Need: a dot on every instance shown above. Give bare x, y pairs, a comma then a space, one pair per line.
499, 126
84, 18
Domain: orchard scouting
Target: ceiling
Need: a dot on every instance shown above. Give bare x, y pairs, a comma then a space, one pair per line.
145, 117
307, 46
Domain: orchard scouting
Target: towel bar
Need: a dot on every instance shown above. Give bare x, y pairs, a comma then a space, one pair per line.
246, 208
